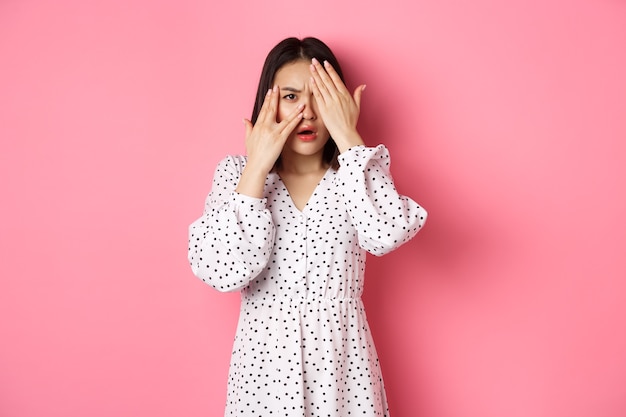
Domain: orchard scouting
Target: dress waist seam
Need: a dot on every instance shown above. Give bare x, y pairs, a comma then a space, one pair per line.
299, 299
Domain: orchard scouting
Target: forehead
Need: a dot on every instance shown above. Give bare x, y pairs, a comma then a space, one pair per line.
293, 71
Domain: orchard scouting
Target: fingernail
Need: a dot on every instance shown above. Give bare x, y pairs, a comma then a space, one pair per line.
363, 89
326, 63
315, 61
275, 88
300, 106
269, 90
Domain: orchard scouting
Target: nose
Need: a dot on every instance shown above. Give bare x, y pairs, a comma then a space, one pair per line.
309, 111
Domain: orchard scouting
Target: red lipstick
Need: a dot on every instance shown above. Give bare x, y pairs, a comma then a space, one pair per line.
306, 133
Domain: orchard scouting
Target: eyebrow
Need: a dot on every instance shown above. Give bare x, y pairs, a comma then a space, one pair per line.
292, 89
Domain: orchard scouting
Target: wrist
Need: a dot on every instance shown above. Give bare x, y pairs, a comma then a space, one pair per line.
252, 181
348, 140
257, 169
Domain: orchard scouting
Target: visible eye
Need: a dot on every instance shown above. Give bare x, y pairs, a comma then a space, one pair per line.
289, 97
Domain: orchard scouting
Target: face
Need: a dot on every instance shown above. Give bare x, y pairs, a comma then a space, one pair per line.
310, 136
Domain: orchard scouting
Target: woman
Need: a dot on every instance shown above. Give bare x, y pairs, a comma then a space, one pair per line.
289, 226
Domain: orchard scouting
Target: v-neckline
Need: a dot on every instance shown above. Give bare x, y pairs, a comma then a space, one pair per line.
313, 194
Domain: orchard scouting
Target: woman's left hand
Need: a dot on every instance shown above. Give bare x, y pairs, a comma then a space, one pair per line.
338, 108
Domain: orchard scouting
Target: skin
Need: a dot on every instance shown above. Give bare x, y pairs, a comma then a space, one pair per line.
295, 90
304, 93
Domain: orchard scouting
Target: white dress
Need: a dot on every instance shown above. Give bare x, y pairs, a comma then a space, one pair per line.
303, 345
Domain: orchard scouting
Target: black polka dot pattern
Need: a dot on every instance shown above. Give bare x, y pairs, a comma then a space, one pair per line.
303, 346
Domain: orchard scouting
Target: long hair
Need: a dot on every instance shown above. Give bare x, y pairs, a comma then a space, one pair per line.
285, 52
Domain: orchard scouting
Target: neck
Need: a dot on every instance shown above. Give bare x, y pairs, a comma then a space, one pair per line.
302, 164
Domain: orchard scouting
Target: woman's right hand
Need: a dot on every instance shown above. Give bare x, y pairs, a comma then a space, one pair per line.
264, 143
266, 138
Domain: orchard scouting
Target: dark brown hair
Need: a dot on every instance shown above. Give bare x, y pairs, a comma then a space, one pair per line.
285, 52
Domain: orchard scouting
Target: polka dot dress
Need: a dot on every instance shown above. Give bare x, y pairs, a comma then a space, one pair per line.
303, 346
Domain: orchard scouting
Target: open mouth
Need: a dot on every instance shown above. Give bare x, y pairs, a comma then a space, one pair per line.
306, 133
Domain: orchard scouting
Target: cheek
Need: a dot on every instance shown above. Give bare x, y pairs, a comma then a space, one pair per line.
323, 132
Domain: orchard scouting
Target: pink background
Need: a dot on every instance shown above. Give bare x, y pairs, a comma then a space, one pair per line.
505, 119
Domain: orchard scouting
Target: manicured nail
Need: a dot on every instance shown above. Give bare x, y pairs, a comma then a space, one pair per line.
275, 88
326, 63
314, 61
363, 89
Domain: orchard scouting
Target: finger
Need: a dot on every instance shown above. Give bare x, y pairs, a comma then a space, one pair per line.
336, 79
320, 78
357, 95
316, 91
336, 87
273, 105
248, 126
292, 120
264, 107
269, 106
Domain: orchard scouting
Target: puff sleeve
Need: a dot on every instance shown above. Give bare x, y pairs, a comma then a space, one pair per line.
384, 219
233, 240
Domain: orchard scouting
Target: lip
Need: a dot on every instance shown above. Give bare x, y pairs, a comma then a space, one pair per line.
306, 133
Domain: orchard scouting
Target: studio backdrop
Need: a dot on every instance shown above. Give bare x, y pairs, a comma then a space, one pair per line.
505, 120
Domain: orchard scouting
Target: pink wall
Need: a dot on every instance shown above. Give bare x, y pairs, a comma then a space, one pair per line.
506, 120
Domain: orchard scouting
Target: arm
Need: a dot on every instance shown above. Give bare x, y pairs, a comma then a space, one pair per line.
383, 218
232, 241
